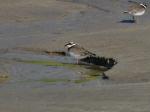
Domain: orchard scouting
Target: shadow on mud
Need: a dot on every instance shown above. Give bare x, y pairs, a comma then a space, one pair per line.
127, 21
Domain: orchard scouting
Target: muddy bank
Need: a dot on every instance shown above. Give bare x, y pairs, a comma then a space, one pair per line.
37, 25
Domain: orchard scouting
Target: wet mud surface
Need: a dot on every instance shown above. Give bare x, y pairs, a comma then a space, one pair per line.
37, 76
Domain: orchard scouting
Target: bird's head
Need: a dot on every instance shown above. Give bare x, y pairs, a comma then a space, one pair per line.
144, 5
70, 44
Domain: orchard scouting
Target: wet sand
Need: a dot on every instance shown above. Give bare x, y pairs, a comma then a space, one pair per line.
94, 24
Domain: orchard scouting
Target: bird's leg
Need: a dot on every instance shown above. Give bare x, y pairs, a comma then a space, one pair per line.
77, 61
104, 76
133, 18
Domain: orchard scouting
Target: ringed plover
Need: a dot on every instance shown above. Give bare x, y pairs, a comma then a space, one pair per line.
77, 51
136, 9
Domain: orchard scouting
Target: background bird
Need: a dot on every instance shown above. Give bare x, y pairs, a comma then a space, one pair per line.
136, 9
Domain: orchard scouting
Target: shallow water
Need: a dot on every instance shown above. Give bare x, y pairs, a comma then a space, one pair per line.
27, 67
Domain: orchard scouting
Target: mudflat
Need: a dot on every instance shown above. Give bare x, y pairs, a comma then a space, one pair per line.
34, 82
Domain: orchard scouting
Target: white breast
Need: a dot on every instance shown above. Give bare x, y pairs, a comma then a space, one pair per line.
77, 56
139, 13
74, 55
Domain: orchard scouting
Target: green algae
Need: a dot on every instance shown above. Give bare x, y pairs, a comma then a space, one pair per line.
49, 63
50, 80
77, 81
93, 72
89, 73
61, 64
86, 79
3, 78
